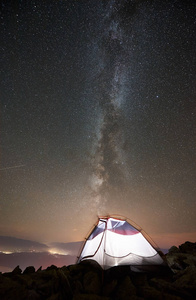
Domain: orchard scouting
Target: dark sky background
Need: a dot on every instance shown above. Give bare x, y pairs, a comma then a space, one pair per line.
98, 116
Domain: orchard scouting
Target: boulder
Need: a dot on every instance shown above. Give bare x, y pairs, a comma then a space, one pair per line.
52, 267
29, 270
12, 290
174, 249
92, 283
17, 271
148, 292
89, 297
180, 261
186, 280
168, 288
125, 290
64, 284
47, 285
33, 295
176, 261
109, 287
188, 247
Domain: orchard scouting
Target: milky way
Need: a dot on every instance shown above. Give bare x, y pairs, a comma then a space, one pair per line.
108, 160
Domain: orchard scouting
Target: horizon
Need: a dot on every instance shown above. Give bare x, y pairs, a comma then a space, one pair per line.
32, 253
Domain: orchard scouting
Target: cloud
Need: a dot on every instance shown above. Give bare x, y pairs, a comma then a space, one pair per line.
65, 248
12, 244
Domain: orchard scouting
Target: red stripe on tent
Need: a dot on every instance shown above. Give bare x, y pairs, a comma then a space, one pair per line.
124, 232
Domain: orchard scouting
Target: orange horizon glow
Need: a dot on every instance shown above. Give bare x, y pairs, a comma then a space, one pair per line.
167, 240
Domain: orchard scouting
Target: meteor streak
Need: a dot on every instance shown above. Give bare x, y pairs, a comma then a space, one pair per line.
12, 167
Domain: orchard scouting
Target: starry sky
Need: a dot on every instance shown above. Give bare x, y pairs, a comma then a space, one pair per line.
97, 117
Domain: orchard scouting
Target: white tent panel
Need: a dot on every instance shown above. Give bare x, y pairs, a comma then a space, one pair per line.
121, 245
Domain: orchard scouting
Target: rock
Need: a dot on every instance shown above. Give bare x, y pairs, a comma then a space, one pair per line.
174, 249
125, 290
55, 297
65, 269
176, 261
52, 267
24, 280
117, 272
86, 277
17, 271
168, 288
29, 270
188, 247
182, 257
180, 261
112, 277
64, 284
139, 279
50, 286
89, 297
109, 287
186, 280
11, 290
148, 292
92, 283
77, 287
33, 295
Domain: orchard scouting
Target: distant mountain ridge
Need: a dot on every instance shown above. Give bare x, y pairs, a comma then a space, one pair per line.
15, 251
13, 244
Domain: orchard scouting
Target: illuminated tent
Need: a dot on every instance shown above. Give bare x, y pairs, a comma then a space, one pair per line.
116, 242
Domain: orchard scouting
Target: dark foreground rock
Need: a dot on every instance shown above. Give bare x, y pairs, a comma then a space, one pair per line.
88, 281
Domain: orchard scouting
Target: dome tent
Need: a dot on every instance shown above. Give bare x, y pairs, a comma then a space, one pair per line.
114, 241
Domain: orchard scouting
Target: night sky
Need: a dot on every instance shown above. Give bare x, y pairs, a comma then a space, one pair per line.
98, 117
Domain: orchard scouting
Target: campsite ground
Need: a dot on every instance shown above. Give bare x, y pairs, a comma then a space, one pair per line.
88, 281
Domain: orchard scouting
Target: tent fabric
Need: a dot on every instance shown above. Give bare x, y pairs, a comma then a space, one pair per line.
115, 242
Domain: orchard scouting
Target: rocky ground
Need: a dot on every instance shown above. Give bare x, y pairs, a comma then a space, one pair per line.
88, 281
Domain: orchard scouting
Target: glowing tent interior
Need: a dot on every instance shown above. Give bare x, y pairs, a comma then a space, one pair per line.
116, 242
